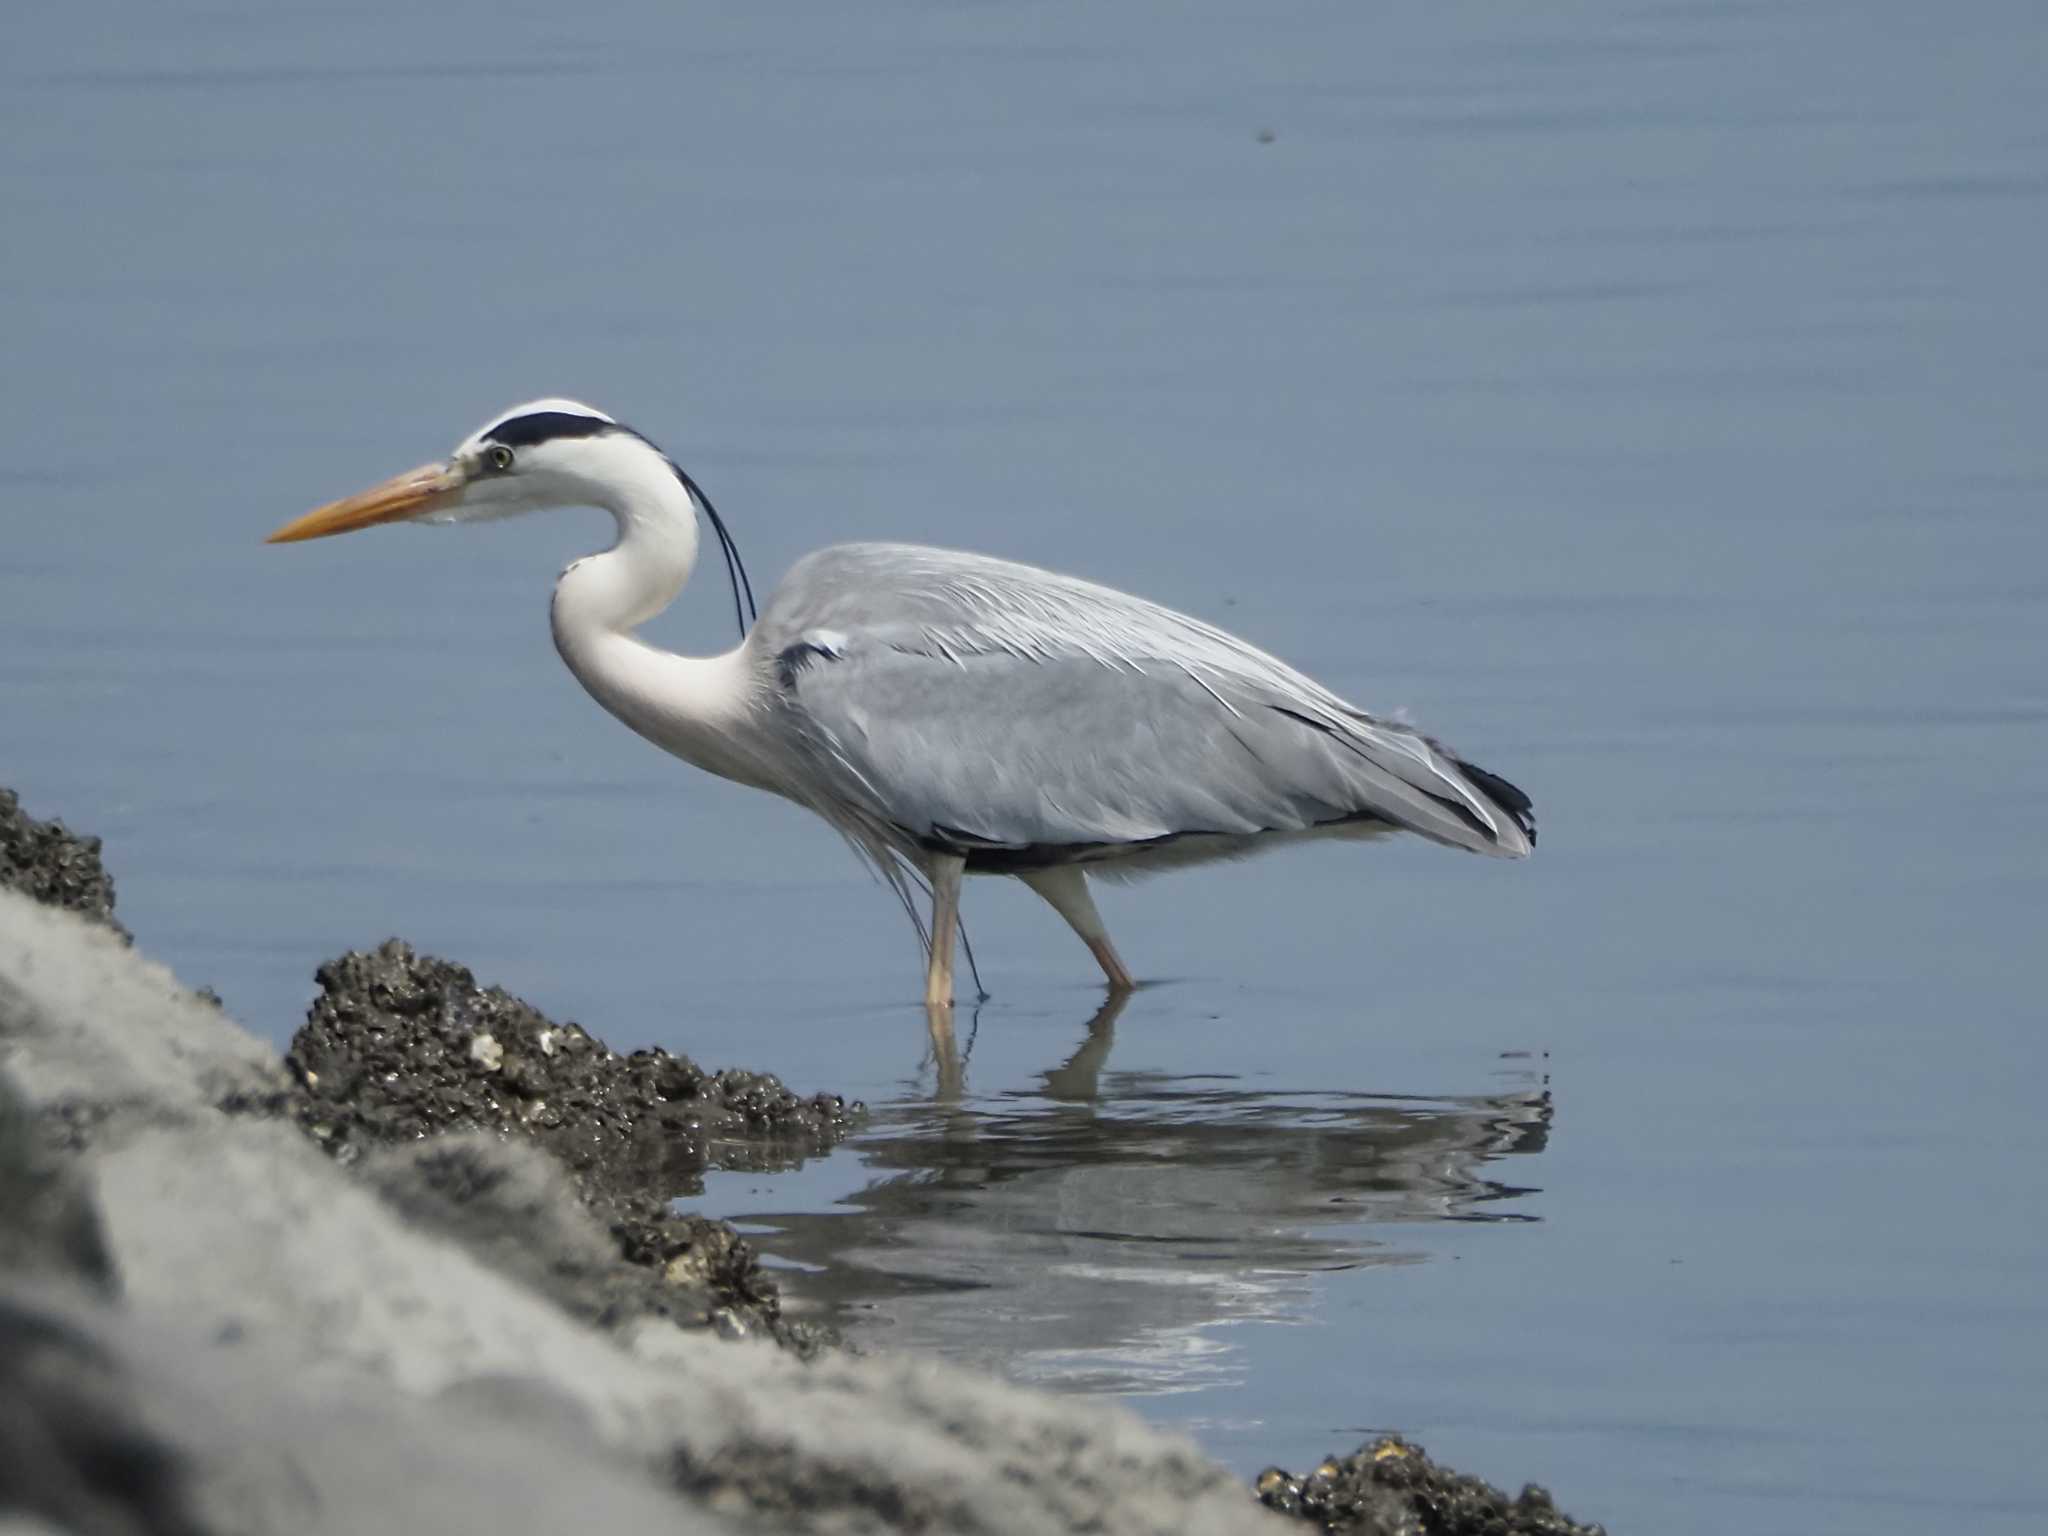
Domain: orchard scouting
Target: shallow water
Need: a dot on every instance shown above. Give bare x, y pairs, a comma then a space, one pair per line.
1104, 1228
1647, 398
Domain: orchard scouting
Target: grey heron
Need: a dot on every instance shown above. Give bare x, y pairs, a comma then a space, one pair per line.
949, 713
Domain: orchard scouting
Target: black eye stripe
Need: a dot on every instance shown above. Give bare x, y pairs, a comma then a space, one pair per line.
544, 426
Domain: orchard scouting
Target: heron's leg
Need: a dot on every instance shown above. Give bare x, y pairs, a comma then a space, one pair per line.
945, 873
1065, 889
947, 1076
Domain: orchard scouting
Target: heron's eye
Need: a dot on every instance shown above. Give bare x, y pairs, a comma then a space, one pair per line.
500, 457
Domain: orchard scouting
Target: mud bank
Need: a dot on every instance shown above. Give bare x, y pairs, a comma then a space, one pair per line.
422, 1273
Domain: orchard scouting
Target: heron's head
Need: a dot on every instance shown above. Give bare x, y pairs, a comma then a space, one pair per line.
545, 453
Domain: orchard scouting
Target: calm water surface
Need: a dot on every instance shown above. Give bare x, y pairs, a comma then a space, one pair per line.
1646, 397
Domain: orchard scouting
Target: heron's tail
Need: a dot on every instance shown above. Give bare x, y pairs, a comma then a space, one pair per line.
1515, 806
1416, 782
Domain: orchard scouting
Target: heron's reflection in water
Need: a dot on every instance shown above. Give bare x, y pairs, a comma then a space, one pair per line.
1100, 1229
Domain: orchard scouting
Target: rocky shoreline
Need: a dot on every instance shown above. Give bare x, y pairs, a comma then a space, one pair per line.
401, 1048
423, 1272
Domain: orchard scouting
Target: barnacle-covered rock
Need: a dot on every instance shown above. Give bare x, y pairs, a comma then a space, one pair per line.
401, 1047
48, 863
1390, 1487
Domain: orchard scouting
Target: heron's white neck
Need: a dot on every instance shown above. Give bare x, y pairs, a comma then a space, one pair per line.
694, 706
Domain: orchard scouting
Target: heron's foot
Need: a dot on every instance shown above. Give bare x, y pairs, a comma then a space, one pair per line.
1114, 971
938, 979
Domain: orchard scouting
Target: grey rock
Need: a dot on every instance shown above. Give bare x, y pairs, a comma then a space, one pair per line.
120, 1424
72, 1449
50, 1225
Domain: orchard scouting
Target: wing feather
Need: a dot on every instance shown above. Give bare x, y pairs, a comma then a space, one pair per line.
954, 697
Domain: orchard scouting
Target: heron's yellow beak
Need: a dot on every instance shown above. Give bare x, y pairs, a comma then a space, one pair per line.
400, 497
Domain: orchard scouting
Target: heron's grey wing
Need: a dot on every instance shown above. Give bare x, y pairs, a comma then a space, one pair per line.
970, 701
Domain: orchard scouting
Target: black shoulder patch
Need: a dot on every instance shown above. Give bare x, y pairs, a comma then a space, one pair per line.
793, 660
545, 426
